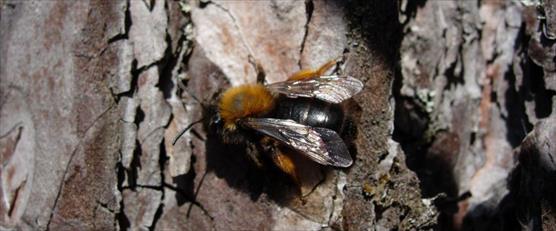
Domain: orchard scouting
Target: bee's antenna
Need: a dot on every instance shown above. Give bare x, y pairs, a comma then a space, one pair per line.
206, 108
185, 129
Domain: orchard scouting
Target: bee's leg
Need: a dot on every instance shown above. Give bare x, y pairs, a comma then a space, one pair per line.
254, 155
305, 173
270, 147
303, 74
261, 75
325, 67
307, 74
284, 161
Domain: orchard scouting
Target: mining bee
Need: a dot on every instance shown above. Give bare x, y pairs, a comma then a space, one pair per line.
299, 116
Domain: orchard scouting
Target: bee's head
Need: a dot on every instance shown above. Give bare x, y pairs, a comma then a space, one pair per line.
217, 127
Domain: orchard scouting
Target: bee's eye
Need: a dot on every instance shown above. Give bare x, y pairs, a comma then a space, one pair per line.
216, 120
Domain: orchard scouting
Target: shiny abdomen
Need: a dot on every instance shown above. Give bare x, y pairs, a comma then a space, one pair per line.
310, 112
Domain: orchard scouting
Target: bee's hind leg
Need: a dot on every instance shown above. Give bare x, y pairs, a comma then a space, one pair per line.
325, 67
309, 73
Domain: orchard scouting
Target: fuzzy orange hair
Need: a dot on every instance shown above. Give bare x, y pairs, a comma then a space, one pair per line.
250, 100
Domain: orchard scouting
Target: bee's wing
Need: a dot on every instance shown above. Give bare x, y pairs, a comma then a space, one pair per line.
331, 88
322, 145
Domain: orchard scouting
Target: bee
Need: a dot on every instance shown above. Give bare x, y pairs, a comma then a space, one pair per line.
299, 116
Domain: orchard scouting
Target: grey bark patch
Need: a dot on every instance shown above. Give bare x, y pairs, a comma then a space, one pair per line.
148, 32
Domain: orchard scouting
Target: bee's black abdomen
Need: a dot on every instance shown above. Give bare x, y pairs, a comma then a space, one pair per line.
310, 112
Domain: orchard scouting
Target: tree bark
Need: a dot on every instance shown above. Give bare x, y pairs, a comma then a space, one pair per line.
92, 94
474, 79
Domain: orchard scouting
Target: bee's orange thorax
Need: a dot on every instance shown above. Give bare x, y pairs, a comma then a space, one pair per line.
252, 100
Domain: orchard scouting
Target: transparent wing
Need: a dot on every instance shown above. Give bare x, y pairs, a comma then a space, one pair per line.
331, 88
322, 145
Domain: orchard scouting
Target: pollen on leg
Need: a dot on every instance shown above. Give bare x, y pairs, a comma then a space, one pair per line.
286, 163
252, 100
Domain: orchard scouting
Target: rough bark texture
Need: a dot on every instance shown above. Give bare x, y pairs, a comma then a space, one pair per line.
475, 76
92, 94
